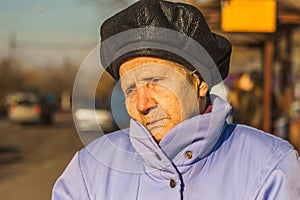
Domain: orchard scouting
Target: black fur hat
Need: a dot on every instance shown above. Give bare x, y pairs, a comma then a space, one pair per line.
141, 28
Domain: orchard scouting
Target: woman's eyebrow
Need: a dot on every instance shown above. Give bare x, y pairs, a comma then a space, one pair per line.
150, 78
147, 79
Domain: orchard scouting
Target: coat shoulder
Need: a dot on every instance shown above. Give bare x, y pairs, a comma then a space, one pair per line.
259, 140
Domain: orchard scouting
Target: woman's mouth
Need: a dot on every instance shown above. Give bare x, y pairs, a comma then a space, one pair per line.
158, 122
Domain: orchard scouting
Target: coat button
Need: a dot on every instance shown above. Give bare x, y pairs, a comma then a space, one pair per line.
172, 183
157, 156
188, 155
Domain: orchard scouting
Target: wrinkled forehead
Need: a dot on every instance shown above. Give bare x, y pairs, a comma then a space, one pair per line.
147, 66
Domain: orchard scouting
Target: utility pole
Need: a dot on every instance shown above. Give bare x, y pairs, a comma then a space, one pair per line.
12, 45
11, 62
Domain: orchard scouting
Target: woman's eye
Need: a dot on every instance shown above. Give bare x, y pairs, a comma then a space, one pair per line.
130, 90
156, 80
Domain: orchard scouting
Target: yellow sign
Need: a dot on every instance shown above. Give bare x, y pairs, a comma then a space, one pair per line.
249, 15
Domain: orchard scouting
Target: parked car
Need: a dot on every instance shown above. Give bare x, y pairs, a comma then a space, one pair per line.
28, 108
91, 120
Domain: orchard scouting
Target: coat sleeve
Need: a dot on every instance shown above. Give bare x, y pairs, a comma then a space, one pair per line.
283, 182
71, 184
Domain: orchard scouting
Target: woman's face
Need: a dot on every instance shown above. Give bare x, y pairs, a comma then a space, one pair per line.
158, 93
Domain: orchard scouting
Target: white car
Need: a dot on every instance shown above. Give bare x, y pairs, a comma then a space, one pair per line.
94, 120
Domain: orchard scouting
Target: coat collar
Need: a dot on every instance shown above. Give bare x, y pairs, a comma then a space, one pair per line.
200, 133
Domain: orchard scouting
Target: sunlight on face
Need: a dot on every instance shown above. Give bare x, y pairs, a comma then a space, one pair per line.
158, 93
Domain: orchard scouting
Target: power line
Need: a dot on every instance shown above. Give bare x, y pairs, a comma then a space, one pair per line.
56, 46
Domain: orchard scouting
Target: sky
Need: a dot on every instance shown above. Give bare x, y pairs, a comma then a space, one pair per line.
46, 30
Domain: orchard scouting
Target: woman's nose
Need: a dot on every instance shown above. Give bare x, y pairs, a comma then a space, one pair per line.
145, 103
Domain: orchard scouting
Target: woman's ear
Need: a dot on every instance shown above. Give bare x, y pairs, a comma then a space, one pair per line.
203, 89
200, 87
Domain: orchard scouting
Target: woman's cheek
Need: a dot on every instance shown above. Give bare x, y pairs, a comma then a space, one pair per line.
170, 104
131, 108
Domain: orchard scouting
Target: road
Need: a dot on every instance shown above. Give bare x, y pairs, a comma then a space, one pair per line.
33, 156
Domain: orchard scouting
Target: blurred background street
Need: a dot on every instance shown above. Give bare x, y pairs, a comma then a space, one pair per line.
33, 156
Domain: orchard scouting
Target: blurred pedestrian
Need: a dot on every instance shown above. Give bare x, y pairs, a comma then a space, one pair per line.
178, 145
250, 98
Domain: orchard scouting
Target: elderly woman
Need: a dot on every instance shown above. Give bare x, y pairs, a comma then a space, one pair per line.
178, 145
